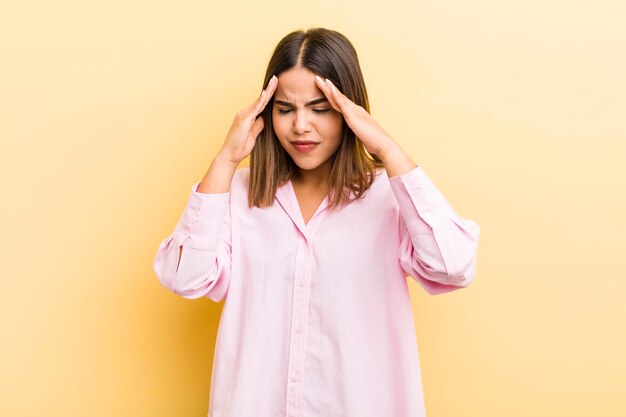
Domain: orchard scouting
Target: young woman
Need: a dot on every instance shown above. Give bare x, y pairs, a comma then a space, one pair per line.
310, 247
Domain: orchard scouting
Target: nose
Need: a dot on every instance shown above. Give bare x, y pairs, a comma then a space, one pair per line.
301, 122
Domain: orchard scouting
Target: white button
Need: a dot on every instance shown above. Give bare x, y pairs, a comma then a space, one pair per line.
298, 330
301, 283
294, 379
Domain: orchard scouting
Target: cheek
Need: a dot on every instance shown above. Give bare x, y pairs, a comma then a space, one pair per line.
331, 128
279, 127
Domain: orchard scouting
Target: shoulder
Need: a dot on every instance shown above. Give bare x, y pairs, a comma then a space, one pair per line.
240, 180
381, 172
381, 181
242, 174
378, 189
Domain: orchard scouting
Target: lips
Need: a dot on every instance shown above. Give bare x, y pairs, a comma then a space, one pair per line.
305, 146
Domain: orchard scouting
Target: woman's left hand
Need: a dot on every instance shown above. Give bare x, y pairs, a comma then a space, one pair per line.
374, 138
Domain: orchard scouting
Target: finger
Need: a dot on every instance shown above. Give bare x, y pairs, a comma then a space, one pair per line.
265, 96
269, 90
257, 127
260, 103
341, 100
327, 92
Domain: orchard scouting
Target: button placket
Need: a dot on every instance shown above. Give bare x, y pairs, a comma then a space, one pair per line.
297, 339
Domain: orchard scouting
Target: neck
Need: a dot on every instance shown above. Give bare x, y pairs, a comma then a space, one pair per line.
314, 178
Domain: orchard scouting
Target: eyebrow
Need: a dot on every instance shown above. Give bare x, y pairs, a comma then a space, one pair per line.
310, 103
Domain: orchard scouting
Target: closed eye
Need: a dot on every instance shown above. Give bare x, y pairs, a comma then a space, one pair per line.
284, 111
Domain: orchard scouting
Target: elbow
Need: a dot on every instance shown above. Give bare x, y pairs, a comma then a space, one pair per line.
453, 269
189, 279
462, 270
463, 276
453, 282
165, 264
462, 280
458, 270
191, 287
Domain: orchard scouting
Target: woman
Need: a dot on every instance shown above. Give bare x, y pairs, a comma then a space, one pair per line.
317, 318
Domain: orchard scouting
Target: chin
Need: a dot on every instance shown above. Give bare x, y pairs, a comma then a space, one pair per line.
307, 165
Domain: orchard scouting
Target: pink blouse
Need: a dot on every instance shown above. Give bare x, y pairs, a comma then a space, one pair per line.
317, 319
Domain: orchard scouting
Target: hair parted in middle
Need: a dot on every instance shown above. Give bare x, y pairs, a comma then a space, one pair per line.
331, 55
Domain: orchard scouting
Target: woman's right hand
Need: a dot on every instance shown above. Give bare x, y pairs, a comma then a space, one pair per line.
246, 127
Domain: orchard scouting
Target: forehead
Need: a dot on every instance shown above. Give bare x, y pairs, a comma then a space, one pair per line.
297, 85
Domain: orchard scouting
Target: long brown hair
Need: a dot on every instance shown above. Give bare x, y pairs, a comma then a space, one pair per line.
328, 54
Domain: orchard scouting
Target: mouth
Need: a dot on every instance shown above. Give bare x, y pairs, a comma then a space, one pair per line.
304, 146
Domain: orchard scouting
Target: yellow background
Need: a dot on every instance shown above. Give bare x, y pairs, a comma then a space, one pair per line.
110, 111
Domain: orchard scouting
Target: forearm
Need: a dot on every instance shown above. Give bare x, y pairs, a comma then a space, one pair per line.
219, 176
397, 162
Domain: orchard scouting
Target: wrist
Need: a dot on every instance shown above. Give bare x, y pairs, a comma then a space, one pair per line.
396, 161
390, 151
223, 159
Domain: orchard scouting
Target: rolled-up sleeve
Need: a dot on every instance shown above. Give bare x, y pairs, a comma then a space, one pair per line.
437, 246
203, 231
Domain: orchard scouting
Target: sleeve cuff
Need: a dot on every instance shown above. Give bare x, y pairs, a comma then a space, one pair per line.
202, 220
421, 203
